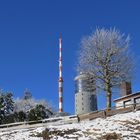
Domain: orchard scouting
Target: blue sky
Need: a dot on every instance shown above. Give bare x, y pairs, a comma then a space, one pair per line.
29, 32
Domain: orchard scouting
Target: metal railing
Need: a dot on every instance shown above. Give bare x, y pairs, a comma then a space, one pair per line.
110, 112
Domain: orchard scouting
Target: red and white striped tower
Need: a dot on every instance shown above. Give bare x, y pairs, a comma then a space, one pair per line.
60, 81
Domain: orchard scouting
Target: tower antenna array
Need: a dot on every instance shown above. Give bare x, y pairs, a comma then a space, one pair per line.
60, 81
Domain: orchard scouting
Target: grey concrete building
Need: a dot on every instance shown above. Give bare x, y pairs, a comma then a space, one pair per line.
85, 94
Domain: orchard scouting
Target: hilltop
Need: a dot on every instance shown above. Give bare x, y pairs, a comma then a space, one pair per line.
121, 126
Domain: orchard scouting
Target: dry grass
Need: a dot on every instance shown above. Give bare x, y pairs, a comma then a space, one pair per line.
111, 136
130, 122
47, 134
132, 136
138, 128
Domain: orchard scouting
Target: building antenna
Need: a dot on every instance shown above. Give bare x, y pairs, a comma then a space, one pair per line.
60, 81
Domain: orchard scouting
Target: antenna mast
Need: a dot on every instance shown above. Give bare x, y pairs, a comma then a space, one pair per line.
60, 81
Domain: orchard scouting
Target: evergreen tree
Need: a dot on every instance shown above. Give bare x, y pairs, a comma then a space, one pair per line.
32, 115
38, 113
27, 95
9, 119
21, 116
6, 107
9, 103
1, 108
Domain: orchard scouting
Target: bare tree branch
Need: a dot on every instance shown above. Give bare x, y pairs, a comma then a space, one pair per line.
105, 54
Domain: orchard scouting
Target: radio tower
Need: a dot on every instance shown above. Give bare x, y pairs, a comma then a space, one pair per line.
60, 81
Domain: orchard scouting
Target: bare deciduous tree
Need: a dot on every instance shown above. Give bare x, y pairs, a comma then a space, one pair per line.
26, 105
105, 54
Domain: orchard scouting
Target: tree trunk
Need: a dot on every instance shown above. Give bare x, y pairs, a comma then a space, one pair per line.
109, 101
108, 96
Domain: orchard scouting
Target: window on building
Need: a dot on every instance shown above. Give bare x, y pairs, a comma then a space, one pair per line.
86, 84
127, 103
137, 100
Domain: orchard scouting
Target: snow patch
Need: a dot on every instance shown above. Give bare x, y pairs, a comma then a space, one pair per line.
120, 126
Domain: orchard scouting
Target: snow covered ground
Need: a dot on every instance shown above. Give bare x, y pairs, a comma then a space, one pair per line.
121, 127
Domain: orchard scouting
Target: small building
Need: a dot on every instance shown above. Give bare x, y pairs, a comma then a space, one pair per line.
127, 97
85, 94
